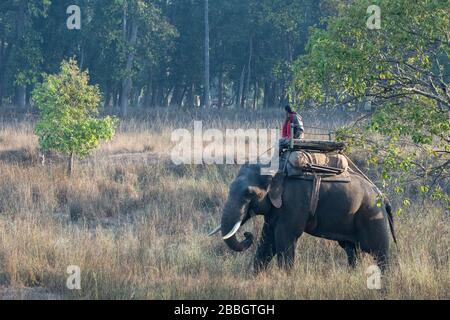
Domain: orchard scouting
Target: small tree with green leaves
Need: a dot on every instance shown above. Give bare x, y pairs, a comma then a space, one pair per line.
68, 121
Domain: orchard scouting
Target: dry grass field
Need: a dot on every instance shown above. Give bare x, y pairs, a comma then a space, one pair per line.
137, 226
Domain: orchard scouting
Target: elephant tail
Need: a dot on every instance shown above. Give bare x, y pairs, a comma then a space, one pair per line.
390, 219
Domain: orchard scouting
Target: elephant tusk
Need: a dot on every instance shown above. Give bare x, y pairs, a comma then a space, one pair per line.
233, 231
214, 231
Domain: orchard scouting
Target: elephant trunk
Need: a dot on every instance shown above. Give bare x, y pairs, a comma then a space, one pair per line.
231, 221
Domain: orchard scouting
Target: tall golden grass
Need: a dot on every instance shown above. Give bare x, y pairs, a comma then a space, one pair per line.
138, 229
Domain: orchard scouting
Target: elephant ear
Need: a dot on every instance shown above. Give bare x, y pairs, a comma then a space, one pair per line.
276, 190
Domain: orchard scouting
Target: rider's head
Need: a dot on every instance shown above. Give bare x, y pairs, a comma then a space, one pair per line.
288, 108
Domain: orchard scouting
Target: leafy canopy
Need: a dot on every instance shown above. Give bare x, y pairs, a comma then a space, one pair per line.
68, 107
403, 70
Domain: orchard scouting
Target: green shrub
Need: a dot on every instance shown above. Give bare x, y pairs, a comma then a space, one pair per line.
68, 121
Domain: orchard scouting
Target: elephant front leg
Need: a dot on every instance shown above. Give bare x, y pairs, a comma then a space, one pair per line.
266, 249
350, 250
285, 247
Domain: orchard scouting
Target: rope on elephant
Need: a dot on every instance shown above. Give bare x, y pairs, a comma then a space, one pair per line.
364, 176
319, 128
265, 152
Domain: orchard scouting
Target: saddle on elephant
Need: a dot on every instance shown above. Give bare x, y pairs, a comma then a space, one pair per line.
300, 162
318, 161
316, 157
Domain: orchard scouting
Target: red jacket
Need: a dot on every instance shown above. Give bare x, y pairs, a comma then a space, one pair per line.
286, 131
298, 126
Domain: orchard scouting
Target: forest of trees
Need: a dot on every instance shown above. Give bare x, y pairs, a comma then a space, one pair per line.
254, 54
402, 69
151, 52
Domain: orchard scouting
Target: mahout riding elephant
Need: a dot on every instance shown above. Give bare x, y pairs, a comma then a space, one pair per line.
349, 213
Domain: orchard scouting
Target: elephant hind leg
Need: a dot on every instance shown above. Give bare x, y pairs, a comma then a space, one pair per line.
374, 239
350, 250
382, 258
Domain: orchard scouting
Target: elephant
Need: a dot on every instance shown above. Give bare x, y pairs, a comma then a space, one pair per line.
348, 213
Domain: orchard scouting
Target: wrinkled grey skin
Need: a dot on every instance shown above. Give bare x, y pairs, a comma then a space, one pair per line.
346, 212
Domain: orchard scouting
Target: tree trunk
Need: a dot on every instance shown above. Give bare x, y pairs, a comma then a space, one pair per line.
220, 93
176, 95
116, 98
107, 95
20, 97
241, 88
166, 98
190, 95
2, 69
154, 94
20, 89
1, 91
266, 95
70, 164
147, 95
135, 95
148, 91
272, 95
207, 84
127, 82
255, 96
81, 57
131, 96
160, 96
183, 94
249, 70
